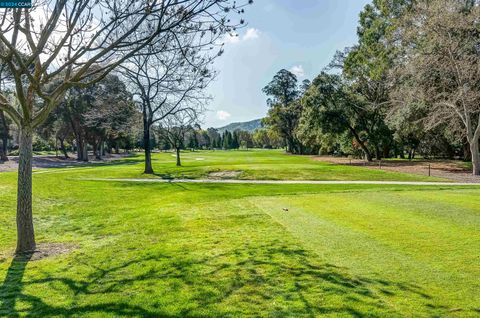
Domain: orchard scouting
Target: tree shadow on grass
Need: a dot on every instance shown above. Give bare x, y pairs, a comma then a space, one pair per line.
268, 279
12, 293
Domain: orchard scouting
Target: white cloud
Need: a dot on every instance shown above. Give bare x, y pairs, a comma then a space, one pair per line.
251, 34
223, 115
298, 70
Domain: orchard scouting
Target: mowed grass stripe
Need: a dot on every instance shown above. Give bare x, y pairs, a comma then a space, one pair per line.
390, 241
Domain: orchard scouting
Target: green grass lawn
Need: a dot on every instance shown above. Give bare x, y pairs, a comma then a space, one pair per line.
210, 250
252, 164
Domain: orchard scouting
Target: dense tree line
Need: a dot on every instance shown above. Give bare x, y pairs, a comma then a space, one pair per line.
196, 138
397, 93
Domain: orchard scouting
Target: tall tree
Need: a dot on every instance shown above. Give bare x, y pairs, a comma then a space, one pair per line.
285, 109
440, 66
367, 65
331, 107
175, 128
167, 80
77, 43
111, 114
227, 140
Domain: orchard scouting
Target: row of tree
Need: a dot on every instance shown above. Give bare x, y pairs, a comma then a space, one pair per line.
239, 139
88, 123
397, 92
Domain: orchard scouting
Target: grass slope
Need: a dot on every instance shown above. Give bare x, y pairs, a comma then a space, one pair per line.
193, 250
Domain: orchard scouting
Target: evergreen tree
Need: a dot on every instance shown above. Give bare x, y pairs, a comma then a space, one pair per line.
235, 141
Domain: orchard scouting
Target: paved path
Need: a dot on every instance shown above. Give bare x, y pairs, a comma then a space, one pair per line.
235, 181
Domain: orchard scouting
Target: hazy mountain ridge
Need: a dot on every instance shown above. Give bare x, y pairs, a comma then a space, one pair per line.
250, 126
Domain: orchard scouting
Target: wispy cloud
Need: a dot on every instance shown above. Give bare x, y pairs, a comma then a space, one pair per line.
250, 34
298, 70
223, 115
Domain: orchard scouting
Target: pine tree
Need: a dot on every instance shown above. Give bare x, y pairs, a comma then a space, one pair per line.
235, 140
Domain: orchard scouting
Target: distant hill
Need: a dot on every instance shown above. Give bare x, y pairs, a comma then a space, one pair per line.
247, 125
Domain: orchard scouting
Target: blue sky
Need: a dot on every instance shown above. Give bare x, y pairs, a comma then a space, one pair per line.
298, 35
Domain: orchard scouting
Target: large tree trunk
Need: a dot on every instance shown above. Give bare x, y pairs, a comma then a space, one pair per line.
474, 149
25, 232
473, 135
179, 163
82, 149
146, 146
79, 149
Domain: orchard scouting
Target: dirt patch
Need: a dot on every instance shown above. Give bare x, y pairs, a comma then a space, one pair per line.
45, 250
232, 174
446, 169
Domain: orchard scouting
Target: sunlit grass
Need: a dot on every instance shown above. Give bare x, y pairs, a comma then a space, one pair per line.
190, 250
252, 164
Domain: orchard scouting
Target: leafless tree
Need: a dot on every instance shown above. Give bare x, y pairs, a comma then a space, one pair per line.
169, 80
58, 44
440, 66
175, 127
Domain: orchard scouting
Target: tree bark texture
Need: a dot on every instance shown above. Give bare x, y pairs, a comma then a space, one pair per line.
25, 231
179, 163
146, 146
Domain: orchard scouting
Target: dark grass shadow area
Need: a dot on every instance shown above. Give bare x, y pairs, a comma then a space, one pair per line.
48, 162
11, 293
260, 280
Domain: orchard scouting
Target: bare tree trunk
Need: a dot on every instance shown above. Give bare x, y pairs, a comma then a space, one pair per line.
25, 231
85, 151
473, 136
82, 149
79, 149
467, 154
178, 157
146, 146
474, 148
